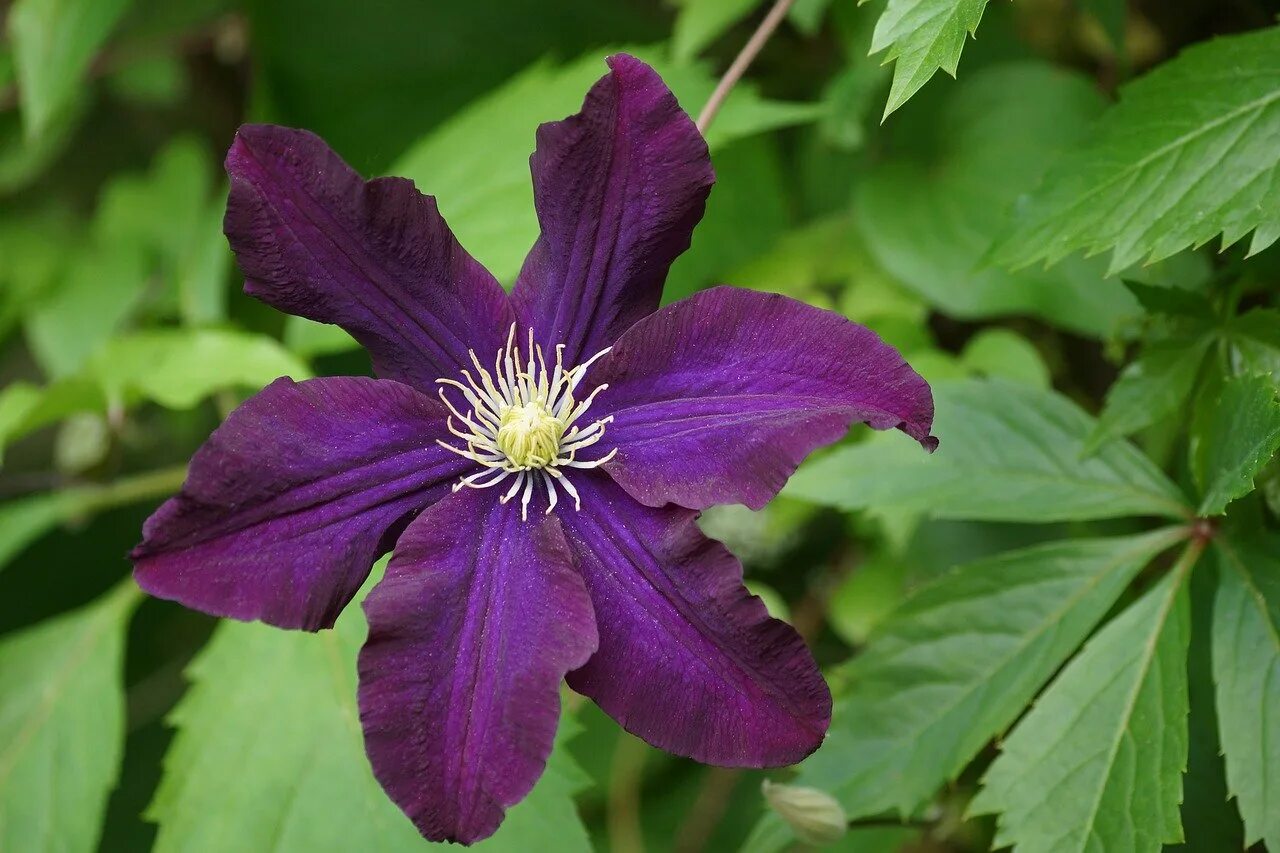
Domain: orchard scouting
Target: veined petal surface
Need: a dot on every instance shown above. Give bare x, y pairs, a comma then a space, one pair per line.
471, 631
618, 188
315, 239
292, 499
717, 398
689, 660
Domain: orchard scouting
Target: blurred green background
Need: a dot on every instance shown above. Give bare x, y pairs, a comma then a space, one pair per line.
124, 338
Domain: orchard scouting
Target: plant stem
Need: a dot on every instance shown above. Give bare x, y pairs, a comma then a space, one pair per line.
1189, 557
626, 835
152, 484
890, 822
714, 794
741, 62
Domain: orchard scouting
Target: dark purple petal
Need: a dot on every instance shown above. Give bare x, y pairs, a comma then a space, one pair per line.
717, 398
619, 188
473, 628
290, 501
689, 660
314, 239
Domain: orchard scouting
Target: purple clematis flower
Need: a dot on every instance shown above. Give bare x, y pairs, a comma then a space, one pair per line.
537, 461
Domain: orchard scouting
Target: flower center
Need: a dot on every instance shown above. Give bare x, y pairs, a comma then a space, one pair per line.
529, 434
523, 422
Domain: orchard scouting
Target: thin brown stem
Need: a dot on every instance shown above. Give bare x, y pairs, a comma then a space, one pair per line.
741, 62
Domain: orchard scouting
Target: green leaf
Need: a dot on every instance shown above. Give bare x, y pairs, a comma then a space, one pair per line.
97, 294
1233, 439
749, 208
484, 190
402, 67
773, 600
1255, 341
175, 368
309, 339
162, 209
931, 211
269, 755
548, 818
851, 96
62, 726
848, 99
1153, 386
24, 159
1188, 153
53, 44
151, 81
16, 403
203, 268
1005, 354
25, 407
807, 15
804, 261
1008, 452
1210, 821
163, 226
1173, 301
881, 302
866, 597
1097, 763
700, 22
179, 368
25, 520
1246, 667
34, 247
956, 664
922, 36
758, 537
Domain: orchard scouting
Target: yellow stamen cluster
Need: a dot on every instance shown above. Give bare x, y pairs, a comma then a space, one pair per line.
529, 434
522, 422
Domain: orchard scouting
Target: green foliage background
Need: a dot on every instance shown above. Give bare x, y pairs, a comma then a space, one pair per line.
1061, 632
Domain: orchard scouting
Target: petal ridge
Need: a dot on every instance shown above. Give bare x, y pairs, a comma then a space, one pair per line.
618, 187
689, 660
717, 398
293, 497
315, 239
476, 622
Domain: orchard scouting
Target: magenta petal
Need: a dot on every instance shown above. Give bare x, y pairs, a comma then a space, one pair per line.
619, 188
314, 239
471, 631
689, 660
717, 398
290, 501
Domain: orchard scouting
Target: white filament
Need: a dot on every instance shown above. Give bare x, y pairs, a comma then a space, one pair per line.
522, 422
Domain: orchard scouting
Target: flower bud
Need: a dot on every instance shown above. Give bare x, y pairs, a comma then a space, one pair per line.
814, 816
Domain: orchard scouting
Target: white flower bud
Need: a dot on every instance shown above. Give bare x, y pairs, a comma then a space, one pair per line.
814, 816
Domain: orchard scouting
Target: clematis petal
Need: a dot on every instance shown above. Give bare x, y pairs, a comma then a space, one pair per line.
619, 188
293, 498
689, 660
314, 239
717, 398
471, 631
